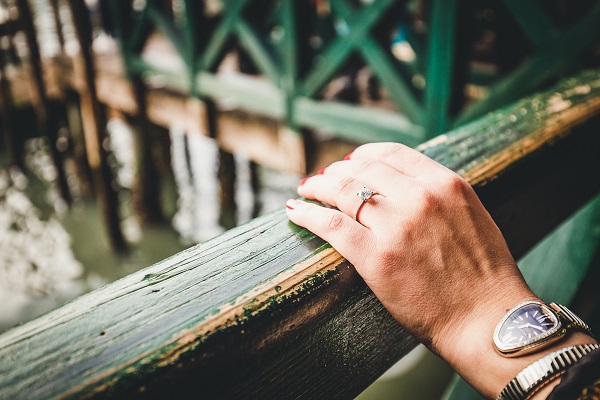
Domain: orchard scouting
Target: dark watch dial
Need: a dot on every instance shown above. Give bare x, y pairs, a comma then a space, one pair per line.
525, 325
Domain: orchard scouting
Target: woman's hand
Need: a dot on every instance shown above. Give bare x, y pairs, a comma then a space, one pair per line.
424, 243
427, 248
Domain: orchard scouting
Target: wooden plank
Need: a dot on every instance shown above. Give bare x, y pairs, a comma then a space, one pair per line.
269, 310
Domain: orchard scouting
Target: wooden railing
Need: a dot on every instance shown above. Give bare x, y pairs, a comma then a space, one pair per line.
269, 310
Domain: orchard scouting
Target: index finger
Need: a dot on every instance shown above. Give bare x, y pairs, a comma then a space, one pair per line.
400, 157
347, 236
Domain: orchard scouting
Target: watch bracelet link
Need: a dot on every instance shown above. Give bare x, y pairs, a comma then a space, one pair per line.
540, 372
574, 320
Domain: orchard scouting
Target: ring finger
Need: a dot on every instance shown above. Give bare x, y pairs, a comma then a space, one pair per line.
342, 192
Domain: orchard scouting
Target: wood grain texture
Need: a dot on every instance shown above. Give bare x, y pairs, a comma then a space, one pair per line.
269, 310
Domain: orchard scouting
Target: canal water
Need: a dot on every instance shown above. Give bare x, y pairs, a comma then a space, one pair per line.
50, 254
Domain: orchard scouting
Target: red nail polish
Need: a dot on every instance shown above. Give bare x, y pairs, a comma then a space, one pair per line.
320, 172
303, 181
347, 157
288, 207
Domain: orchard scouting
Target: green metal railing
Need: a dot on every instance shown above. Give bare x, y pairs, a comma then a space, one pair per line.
279, 38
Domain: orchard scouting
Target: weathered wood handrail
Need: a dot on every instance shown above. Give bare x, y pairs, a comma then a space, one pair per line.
270, 310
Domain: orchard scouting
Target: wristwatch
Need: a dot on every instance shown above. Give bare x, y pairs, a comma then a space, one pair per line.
532, 325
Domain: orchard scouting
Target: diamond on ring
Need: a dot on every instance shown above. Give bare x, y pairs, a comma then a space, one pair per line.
363, 194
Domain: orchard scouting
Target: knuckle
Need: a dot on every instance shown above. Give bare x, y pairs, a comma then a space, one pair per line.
393, 149
344, 185
428, 200
335, 221
388, 257
455, 184
424, 194
365, 163
335, 166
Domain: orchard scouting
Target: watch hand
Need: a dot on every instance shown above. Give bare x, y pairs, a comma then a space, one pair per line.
539, 328
529, 325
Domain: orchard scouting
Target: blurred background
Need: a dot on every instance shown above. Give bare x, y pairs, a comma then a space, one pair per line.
134, 129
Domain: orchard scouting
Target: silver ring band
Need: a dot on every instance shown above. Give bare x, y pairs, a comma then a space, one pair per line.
364, 194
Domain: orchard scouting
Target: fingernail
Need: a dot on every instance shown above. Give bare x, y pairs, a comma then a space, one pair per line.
303, 181
291, 204
320, 172
347, 157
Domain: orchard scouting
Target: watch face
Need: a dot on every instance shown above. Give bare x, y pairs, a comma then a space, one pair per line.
524, 326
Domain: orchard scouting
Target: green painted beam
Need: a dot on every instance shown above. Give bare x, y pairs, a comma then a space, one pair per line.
268, 310
339, 50
352, 122
534, 21
543, 65
258, 51
193, 18
554, 269
440, 64
210, 56
359, 124
168, 28
280, 65
382, 64
134, 42
288, 53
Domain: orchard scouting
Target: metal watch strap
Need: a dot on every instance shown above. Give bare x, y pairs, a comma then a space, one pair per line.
542, 371
574, 320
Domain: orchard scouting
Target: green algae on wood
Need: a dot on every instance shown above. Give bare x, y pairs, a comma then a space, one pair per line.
268, 310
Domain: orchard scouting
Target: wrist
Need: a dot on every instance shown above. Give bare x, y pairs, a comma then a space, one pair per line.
469, 347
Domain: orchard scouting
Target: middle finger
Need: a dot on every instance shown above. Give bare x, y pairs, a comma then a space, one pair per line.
377, 175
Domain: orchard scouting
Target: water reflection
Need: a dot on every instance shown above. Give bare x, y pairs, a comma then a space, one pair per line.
50, 254
194, 158
37, 267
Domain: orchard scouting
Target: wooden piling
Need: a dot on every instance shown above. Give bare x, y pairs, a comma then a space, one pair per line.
54, 4
47, 123
146, 193
226, 175
94, 121
12, 145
